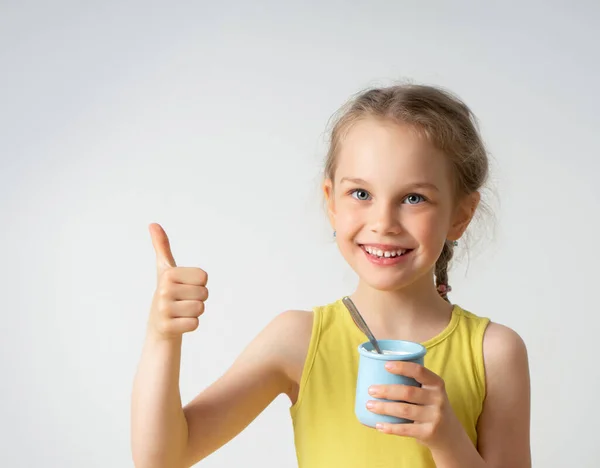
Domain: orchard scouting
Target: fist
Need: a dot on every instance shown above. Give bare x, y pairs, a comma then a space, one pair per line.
180, 291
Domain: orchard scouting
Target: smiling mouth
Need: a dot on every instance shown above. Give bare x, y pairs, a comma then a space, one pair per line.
384, 253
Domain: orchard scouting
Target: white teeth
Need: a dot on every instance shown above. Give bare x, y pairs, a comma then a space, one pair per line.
386, 254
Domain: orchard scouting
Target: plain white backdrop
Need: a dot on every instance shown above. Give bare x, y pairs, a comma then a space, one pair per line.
210, 118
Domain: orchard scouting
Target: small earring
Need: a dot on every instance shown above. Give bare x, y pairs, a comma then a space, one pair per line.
454, 243
334, 234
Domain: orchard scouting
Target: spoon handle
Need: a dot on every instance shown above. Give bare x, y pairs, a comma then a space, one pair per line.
360, 322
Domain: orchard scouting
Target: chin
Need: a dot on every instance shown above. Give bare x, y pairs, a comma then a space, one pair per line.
385, 284
389, 280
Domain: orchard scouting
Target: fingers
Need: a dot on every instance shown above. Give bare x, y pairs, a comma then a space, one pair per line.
185, 309
182, 300
408, 393
162, 248
186, 275
188, 292
181, 325
171, 318
399, 410
418, 372
417, 431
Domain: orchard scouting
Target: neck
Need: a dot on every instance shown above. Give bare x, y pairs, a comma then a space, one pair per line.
411, 309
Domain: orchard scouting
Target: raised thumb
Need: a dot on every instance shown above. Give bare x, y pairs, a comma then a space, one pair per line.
162, 248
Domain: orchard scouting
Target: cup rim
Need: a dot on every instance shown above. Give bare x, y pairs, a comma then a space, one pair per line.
420, 351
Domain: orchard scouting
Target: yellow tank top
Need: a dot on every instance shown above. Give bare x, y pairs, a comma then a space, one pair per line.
326, 431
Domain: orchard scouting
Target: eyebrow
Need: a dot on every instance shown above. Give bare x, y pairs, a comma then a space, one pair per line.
354, 180
416, 185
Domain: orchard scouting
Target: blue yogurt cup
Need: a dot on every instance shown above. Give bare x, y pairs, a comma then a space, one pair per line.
371, 371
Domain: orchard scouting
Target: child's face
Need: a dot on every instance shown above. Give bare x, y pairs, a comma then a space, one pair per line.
392, 190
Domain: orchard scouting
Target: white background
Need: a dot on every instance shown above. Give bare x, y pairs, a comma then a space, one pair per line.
210, 118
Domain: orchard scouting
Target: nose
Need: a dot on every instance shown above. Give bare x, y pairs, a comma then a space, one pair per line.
386, 219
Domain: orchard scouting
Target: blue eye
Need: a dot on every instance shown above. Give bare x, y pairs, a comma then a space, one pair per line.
414, 199
360, 194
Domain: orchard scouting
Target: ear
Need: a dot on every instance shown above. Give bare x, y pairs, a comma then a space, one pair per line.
463, 215
329, 201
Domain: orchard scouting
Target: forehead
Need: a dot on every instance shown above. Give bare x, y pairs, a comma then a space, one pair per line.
389, 153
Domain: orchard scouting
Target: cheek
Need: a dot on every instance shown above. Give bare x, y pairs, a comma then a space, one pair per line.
429, 227
347, 226
347, 217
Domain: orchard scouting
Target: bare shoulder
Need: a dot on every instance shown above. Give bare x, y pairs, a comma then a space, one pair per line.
502, 346
504, 355
290, 333
293, 329
282, 339
504, 425
291, 320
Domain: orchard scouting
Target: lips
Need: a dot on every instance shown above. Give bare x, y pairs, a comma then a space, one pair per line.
384, 250
384, 253
386, 256
385, 246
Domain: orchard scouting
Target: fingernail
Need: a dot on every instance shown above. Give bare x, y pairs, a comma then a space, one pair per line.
373, 390
370, 404
379, 427
389, 365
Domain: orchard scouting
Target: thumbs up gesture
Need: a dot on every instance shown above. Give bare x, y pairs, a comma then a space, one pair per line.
180, 291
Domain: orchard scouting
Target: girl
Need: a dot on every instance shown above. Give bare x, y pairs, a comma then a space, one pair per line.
402, 181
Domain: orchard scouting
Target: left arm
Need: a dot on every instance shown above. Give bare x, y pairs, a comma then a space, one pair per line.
503, 427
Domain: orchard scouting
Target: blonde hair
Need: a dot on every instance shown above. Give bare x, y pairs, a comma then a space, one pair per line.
446, 122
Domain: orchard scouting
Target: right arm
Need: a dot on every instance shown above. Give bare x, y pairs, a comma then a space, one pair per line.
158, 425
163, 433
268, 367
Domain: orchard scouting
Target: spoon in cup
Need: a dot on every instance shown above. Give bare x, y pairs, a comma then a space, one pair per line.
360, 322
